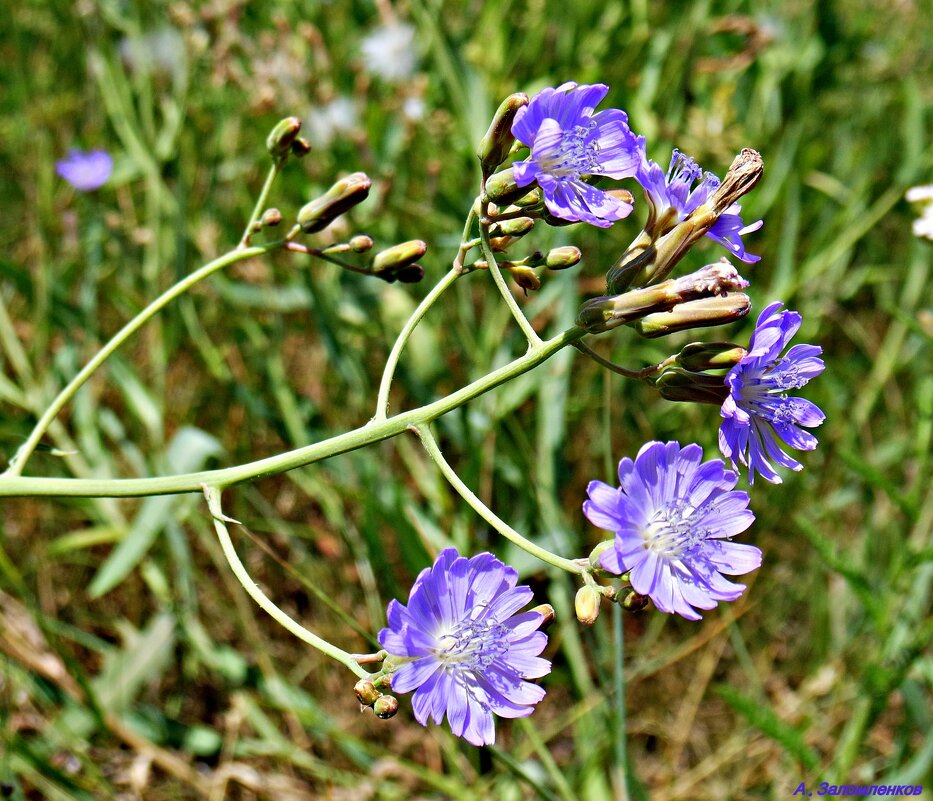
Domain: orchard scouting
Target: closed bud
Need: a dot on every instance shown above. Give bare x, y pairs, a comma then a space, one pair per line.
533, 198
586, 605
271, 218
339, 199
677, 384
386, 707
411, 274
498, 141
744, 174
400, 255
518, 226
300, 147
699, 356
279, 141
634, 602
598, 551
525, 277
700, 313
366, 692
501, 188
563, 257
547, 612
360, 243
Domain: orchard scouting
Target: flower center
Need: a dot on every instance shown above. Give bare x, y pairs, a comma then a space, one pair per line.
672, 531
472, 644
788, 376
577, 153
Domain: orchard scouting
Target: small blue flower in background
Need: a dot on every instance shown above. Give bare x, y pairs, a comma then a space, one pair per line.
672, 194
470, 652
85, 171
672, 517
758, 414
568, 141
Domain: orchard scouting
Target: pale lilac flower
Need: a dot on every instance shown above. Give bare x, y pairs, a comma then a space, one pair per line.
469, 652
85, 171
672, 516
568, 141
758, 414
922, 195
672, 198
389, 52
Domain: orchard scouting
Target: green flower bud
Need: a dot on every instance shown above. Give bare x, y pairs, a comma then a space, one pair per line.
366, 692
279, 141
501, 188
699, 356
525, 277
695, 314
360, 243
533, 198
563, 257
677, 384
498, 141
516, 227
598, 551
300, 147
586, 605
339, 199
400, 255
634, 602
386, 707
271, 218
411, 274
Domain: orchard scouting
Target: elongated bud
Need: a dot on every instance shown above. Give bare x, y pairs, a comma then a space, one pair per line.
400, 255
531, 199
339, 199
547, 611
385, 707
699, 356
634, 602
519, 226
586, 605
607, 312
695, 314
563, 257
366, 692
360, 243
501, 188
598, 551
279, 141
498, 141
744, 174
677, 384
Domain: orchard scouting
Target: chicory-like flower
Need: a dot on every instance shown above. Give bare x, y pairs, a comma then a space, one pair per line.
85, 171
568, 141
673, 515
467, 653
758, 414
672, 197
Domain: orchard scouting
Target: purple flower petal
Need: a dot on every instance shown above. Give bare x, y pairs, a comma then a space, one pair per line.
85, 171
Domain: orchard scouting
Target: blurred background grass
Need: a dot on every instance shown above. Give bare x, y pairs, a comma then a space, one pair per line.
132, 663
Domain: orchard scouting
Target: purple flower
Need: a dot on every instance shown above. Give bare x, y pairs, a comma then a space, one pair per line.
672, 198
85, 171
468, 652
569, 141
672, 517
758, 413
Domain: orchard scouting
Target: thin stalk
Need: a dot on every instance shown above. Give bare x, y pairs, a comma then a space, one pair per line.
328, 649
640, 375
530, 334
260, 202
18, 462
431, 446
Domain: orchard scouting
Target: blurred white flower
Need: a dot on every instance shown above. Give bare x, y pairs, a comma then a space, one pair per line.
389, 53
922, 195
413, 108
335, 118
161, 52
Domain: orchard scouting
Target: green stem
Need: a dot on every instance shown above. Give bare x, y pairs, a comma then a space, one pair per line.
641, 375
530, 334
260, 203
18, 462
431, 446
252, 589
374, 431
382, 399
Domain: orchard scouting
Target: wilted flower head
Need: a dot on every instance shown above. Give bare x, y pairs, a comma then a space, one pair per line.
469, 653
923, 195
672, 517
672, 197
389, 53
568, 141
758, 414
85, 171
